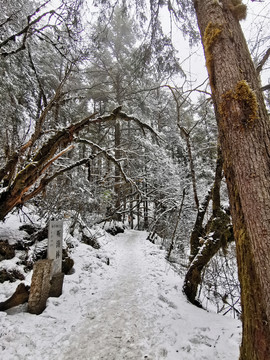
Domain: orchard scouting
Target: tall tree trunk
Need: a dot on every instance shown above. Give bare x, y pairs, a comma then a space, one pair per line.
186, 135
244, 133
117, 180
138, 212
130, 216
145, 208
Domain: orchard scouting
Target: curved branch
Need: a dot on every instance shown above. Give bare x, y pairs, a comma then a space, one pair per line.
28, 176
109, 157
266, 87
24, 32
118, 114
45, 112
263, 61
46, 180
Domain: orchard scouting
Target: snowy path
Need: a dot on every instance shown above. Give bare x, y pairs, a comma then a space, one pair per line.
134, 319
132, 309
122, 322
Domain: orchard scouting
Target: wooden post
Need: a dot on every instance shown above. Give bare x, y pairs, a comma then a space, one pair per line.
55, 241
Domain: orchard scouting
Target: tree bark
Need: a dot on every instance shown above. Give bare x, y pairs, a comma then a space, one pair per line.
33, 170
215, 234
221, 235
244, 133
176, 226
117, 180
198, 229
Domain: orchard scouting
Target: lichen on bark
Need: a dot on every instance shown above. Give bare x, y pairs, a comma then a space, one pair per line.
245, 98
211, 34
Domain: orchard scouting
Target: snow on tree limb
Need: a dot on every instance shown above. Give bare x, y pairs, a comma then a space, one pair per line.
23, 32
19, 184
32, 171
109, 157
118, 114
46, 180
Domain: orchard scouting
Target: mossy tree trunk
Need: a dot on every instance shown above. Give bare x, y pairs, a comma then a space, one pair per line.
244, 134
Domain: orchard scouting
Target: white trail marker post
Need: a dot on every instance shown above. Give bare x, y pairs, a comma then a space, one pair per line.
55, 242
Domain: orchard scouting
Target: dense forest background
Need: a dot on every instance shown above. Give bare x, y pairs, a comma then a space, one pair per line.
102, 123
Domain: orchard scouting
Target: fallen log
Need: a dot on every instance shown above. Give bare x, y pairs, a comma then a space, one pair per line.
20, 296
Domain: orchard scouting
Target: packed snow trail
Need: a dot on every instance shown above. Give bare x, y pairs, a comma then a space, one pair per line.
131, 309
122, 323
132, 317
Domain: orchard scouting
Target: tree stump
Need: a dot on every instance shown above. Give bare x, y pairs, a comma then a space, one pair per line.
56, 285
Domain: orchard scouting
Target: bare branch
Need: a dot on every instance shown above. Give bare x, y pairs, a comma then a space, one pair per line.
263, 61
24, 32
45, 112
45, 102
109, 157
46, 180
28, 176
266, 87
70, 147
9, 18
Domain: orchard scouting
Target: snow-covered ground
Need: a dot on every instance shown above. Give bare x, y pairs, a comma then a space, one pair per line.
132, 308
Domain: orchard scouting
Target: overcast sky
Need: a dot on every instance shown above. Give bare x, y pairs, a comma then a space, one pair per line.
256, 30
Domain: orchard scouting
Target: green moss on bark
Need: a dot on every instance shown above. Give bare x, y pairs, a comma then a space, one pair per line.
246, 101
211, 34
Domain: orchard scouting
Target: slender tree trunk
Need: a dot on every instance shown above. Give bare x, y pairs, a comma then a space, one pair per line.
186, 134
244, 133
131, 217
145, 208
216, 234
176, 226
138, 212
198, 229
117, 186
222, 234
145, 215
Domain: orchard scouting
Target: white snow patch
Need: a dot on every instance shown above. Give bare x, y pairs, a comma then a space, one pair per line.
131, 309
